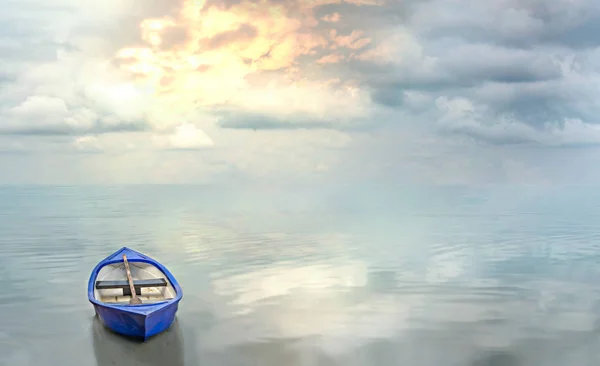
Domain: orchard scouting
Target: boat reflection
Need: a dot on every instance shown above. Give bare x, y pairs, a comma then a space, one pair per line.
497, 358
113, 349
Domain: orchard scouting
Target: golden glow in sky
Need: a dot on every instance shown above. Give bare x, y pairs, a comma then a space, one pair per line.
259, 57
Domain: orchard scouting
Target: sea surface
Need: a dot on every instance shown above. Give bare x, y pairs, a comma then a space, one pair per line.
493, 276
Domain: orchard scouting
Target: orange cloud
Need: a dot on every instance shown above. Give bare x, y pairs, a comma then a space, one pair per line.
333, 18
208, 55
353, 41
330, 59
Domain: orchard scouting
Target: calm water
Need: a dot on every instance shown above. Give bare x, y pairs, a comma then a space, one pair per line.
362, 276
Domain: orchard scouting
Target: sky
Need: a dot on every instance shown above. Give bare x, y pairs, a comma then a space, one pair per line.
440, 92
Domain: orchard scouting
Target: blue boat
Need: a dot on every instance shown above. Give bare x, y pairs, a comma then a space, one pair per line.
121, 281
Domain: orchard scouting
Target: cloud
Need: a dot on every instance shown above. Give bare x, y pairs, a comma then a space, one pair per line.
225, 60
516, 23
46, 115
247, 56
193, 74
186, 137
334, 18
87, 144
522, 94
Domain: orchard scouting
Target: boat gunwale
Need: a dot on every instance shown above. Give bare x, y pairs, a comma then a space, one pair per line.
142, 259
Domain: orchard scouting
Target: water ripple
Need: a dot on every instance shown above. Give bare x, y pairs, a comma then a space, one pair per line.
468, 278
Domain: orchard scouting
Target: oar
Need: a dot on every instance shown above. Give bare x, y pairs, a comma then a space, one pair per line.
134, 299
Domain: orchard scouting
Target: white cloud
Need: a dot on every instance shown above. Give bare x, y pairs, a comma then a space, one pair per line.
186, 136
87, 144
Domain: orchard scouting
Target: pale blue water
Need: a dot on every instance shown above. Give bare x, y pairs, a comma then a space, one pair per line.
338, 276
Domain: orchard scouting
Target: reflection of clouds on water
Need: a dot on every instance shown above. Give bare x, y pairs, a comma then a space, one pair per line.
303, 288
447, 265
230, 244
278, 280
337, 307
328, 301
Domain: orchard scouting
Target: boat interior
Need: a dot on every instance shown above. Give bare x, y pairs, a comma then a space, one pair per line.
150, 283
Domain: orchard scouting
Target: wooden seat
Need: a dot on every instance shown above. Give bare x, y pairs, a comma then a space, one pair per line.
137, 284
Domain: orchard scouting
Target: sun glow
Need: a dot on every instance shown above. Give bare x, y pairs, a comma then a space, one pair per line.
213, 56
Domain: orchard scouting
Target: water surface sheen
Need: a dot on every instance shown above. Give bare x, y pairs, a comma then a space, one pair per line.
420, 277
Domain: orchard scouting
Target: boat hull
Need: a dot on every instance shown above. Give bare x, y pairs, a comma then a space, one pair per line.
138, 321
137, 325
